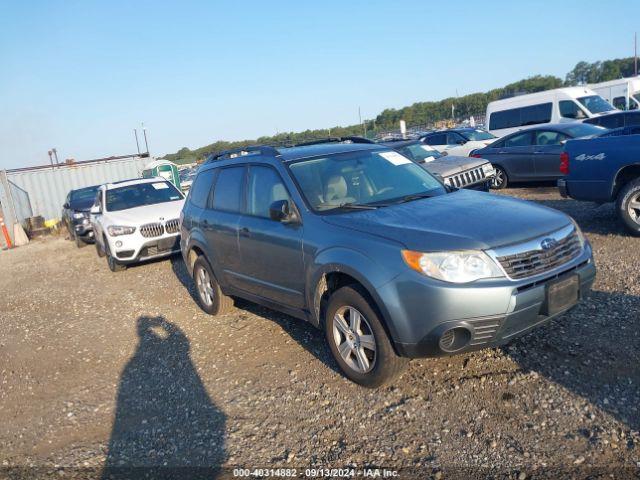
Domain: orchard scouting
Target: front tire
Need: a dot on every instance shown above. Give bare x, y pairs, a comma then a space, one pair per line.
358, 341
79, 242
113, 264
628, 205
210, 297
99, 249
501, 180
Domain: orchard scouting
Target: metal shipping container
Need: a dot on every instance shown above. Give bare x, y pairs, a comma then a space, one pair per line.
33, 191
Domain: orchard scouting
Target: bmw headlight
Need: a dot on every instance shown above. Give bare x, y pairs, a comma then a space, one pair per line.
456, 267
117, 230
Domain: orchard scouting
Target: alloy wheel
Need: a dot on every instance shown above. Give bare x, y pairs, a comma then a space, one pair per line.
203, 284
633, 207
353, 337
498, 180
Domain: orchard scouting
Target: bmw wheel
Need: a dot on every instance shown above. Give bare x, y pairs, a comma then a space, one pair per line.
357, 339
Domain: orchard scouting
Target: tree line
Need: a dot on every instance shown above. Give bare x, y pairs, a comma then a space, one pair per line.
423, 113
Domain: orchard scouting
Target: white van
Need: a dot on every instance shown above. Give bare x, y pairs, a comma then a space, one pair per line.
624, 93
571, 104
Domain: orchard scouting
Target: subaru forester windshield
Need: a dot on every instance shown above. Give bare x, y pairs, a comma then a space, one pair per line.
140, 194
363, 178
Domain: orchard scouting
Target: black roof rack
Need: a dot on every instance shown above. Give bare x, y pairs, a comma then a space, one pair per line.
352, 139
241, 151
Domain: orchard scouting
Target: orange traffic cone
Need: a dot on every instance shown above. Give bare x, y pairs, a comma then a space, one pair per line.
7, 238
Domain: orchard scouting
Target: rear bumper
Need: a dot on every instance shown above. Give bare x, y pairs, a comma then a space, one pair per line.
562, 187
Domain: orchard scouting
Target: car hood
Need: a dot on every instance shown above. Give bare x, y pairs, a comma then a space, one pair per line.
81, 206
147, 213
451, 164
461, 220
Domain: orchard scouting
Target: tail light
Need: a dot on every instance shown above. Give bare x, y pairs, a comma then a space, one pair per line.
475, 155
564, 163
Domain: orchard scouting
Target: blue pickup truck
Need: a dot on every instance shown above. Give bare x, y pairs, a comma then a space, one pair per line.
604, 169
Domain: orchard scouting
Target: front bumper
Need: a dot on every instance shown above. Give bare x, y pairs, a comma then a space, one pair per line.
135, 248
82, 229
493, 313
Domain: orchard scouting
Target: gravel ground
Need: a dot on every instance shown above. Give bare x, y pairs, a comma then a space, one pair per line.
101, 371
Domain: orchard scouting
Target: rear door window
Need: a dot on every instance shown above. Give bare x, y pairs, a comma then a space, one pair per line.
437, 139
229, 188
199, 191
549, 137
519, 140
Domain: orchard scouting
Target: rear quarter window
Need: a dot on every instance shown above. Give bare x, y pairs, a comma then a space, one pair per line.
199, 191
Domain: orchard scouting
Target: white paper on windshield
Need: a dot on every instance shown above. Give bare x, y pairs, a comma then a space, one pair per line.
429, 159
395, 158
160, 186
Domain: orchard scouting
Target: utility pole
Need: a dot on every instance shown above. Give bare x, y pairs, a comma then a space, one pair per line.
55, 154
144, 131
50, 157
135, 132
635, 51
360, 118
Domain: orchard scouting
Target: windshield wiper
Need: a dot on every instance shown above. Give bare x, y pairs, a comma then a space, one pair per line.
414, 196
357, 206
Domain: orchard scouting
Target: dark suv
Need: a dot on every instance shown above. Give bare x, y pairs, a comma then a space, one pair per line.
362, 242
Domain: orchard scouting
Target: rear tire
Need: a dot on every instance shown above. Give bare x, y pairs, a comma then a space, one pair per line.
501, 179
628, 206
358, 340
210, 297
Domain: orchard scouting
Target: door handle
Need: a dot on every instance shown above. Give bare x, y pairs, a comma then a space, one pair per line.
245, 232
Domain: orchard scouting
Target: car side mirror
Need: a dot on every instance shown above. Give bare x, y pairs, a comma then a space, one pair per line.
280, 211
66, 205
461, 142
95, 210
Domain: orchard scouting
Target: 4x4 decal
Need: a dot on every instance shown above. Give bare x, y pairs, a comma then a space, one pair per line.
583, 157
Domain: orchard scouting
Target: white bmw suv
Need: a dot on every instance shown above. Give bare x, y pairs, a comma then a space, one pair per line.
136, 220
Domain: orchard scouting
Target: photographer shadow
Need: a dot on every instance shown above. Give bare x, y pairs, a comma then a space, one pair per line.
165, 425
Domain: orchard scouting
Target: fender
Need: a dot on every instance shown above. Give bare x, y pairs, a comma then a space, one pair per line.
614, 181
196, 239
365, 270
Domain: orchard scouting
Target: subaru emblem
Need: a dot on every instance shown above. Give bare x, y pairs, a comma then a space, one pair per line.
549, 243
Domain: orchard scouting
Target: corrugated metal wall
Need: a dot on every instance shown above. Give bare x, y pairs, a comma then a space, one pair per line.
47, 188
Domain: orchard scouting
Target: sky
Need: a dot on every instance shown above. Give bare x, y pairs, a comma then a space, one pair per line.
81, 75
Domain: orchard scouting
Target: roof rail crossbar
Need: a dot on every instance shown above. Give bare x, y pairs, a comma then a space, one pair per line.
352, 139
241, 151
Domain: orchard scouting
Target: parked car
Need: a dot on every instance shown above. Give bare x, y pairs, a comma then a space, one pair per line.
458, 172
75, 214
186, 178
532, 154
616, 119
602, 170
458, 141
136, 220
561, 105
360, 241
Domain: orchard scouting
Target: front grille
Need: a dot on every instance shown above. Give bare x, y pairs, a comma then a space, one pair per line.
469, 177
172, 226
533, 262
152, 230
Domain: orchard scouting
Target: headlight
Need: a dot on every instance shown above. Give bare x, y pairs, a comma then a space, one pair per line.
487, 168
579, 233
456, 267
117, 230
79, 215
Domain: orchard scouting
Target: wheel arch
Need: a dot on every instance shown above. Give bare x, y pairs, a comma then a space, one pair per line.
623, 176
